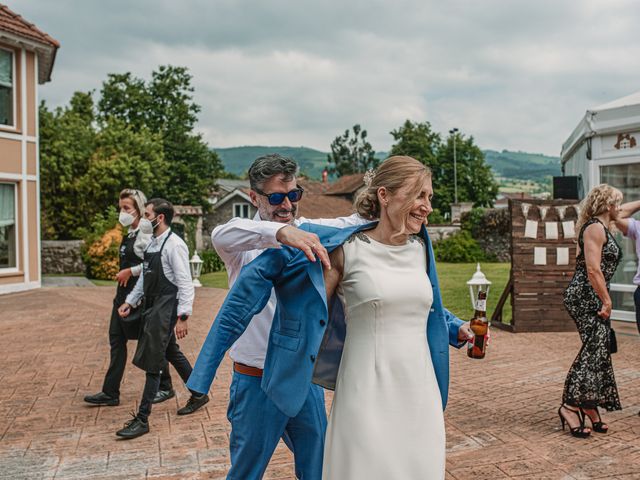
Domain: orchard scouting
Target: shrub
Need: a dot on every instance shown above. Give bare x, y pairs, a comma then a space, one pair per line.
100, 251
436, 217
459, 248
473, 220
211, 262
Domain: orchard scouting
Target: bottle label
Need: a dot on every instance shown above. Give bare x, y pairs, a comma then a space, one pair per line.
481, 305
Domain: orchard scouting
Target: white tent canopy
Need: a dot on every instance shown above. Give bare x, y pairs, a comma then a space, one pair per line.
621, 115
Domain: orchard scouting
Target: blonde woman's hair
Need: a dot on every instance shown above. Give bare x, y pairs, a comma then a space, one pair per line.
139, 199
597, 202
393, 174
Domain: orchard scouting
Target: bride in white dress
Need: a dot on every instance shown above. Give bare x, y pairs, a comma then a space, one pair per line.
386, 419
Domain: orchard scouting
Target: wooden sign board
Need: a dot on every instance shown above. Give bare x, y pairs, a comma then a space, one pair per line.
543, 258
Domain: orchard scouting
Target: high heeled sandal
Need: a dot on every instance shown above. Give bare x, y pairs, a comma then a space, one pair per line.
579, 431
598, 426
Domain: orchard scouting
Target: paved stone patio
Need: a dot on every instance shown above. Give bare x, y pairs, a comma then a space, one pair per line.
501, 419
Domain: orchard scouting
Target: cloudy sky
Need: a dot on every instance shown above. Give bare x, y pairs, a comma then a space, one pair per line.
514, 74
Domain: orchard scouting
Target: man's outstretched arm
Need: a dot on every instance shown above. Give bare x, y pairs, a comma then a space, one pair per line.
248, 296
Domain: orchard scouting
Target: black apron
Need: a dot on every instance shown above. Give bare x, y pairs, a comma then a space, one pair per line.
130, 324
159, 314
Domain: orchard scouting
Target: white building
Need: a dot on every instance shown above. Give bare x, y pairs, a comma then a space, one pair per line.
605, 148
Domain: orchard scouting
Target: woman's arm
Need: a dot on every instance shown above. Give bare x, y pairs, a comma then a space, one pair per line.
333, 276
594, 239
626, 210
629, 208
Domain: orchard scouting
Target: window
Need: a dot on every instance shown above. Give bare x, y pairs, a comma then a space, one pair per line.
6, 87
7, 225
241, 210
626, 178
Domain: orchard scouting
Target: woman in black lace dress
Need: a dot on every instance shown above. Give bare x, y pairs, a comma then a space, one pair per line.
590, 382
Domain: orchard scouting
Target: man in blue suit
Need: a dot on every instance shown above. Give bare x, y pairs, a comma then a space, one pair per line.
256, 423
302, 348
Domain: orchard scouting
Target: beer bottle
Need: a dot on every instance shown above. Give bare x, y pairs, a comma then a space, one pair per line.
480, 327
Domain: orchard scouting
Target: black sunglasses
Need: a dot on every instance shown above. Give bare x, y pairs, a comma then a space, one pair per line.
277, 198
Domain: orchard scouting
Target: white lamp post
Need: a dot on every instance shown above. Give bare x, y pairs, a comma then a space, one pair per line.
477, 283
196, 267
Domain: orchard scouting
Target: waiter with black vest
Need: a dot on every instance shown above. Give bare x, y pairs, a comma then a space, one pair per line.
166, 290
132, 205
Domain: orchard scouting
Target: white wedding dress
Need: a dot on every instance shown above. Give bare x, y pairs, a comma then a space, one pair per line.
386, 419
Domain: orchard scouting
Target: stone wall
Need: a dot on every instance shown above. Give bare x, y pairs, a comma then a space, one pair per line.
440, 232
492, 229
62, 256
218, 216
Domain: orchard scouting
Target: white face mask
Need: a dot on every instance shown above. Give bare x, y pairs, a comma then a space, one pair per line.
145, 226
126, 219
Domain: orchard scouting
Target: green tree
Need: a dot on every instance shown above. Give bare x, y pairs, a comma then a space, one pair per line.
122, 157
417, 140
165, 106
351, 153
67, 141
475, 179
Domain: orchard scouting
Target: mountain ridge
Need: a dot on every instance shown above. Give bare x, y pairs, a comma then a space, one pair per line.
508, 165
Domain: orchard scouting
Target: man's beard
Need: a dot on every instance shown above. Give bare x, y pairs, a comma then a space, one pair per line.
274, 215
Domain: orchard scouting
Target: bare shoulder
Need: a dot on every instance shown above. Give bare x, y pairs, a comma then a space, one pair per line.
595, 233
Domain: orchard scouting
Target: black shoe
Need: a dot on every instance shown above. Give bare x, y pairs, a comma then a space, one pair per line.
164, 395
193, 404
133, 428
580, 431
102, 399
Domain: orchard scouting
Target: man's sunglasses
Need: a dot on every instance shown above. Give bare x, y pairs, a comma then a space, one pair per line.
277, 198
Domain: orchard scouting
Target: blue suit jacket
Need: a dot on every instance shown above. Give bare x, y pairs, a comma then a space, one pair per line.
301, 346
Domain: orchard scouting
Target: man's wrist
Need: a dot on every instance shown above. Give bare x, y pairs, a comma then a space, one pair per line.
184, 317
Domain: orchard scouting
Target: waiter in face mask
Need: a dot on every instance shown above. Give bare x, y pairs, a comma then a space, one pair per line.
131, 203
166, 290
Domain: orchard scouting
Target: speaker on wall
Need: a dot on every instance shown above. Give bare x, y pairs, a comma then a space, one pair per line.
567, 188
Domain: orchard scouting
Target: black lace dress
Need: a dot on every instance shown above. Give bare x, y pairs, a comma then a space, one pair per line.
590, 382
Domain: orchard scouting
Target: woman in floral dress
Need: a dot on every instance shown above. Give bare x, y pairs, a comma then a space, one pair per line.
590, 382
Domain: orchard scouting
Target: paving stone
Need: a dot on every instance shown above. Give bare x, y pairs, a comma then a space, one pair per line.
501, 419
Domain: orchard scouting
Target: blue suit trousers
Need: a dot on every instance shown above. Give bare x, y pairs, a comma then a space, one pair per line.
257, 425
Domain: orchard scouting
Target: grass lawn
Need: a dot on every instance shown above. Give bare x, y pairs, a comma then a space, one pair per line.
453, 279
453, 284
215, 280
104, 283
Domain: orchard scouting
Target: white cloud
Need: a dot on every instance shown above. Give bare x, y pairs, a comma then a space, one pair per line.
513, 74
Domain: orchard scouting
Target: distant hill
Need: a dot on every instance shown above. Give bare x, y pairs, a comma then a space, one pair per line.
531, 167
237, 160
534, 167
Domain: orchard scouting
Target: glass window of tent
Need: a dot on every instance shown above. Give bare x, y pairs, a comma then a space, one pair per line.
626, 178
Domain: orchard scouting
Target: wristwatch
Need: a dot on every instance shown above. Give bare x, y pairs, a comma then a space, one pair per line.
183, 317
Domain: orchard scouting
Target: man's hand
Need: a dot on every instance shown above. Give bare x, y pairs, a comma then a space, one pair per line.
123, 277
308, 242
124, 310
181, 328
465, 334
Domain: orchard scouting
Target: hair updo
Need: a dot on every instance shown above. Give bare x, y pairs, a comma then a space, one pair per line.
393, 174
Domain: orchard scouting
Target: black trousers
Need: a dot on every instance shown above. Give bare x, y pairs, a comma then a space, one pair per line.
118, 336
636, 299
176, 358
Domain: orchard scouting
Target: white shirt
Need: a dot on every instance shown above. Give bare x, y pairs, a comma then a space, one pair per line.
175, 265
139, 246
238, 242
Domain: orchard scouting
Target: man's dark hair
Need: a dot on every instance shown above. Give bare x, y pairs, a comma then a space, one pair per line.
265, 167
162, 207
